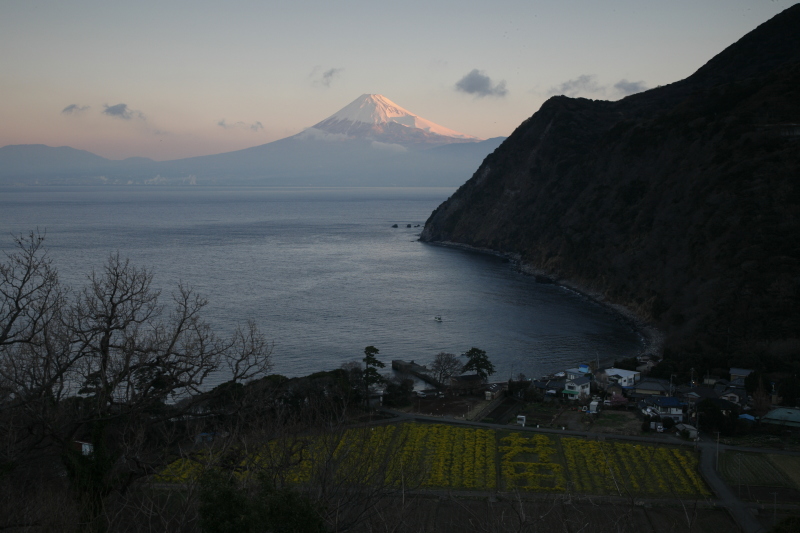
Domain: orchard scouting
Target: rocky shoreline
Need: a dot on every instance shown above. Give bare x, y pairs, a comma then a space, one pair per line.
652, 336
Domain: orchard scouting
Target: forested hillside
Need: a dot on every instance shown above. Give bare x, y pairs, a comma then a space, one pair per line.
680, 203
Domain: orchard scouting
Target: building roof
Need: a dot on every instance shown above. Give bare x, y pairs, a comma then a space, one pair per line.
784, 416
580, 381
466, 378
740, 371
577, 371
621, 372
667, 401
653, 384
549, 384
698, 393
723, 404
740, 394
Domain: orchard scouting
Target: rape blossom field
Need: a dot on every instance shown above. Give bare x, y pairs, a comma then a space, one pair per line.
621, 468
440, 456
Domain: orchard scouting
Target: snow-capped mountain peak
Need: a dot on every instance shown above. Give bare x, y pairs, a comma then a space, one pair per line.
375, 117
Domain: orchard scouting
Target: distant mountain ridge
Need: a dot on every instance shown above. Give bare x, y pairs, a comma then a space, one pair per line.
681, 203
370, 142
39, 163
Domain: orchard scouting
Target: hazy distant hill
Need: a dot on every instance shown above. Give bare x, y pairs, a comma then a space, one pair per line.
370, 142
682, 203
40, 164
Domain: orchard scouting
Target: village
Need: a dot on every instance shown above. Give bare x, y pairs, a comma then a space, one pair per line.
625, 401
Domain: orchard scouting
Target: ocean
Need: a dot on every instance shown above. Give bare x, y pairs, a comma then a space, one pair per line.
322, 272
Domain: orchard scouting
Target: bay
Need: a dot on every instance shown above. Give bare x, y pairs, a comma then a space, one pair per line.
322, 272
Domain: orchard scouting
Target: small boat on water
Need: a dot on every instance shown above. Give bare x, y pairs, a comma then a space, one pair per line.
438, 318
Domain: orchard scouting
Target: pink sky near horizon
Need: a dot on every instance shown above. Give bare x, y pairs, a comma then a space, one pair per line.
205, 77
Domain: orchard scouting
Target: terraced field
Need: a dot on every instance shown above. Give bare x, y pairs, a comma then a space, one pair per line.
765, 470
440, 456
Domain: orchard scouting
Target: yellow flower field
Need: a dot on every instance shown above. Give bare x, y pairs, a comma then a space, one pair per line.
453, 457
627, 469
528, 463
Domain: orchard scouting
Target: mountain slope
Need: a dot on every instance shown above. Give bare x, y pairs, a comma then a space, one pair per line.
370, 142
375, 117
681, 203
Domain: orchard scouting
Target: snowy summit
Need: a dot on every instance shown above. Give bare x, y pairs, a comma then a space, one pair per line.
374, 117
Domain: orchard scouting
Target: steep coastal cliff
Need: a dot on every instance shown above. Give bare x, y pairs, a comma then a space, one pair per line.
681, 203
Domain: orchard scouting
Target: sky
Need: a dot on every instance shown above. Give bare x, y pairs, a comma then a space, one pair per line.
171, 79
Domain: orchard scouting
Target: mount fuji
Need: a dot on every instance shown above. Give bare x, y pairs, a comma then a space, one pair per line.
370, 142
375, 117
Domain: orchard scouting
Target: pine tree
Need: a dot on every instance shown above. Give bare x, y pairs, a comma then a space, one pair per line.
371, 365
478, 361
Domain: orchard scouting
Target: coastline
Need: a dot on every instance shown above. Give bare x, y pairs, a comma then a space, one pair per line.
653, 338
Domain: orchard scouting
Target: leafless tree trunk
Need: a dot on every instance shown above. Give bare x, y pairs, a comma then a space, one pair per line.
109, 365
444, 366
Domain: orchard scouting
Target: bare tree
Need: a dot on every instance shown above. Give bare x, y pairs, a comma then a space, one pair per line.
444, 366
110, 366
29, 291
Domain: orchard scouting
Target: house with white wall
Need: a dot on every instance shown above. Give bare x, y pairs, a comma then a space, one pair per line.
626, 378
665, 407
577, 388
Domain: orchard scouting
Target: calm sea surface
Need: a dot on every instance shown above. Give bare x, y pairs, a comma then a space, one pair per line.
322, 272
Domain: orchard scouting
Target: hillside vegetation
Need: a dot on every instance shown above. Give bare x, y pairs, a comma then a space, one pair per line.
680, 203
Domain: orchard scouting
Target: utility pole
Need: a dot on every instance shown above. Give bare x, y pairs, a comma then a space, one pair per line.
774, 508
696, 426
739, 457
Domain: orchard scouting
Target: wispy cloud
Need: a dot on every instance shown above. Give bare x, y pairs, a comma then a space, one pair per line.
587, 85
74, 109
255, 126
319, 135
389, 147
324, 78
480, 85
122, 111
584, 84
625, 87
